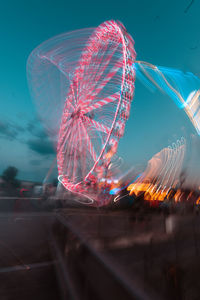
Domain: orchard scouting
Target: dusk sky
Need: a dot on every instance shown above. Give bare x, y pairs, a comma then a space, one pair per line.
166, 33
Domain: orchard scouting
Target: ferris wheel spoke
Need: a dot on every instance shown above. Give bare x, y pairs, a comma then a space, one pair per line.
76, 81
89, 143
103, 102
68, 106
104, 66
79, 145
74, 163
98, 61
73, 152
66, 150
66, 121
70, 151
66, 141
77, 152
99, 58
100, 86
73, 141
98, 126
99, 72
68, 100
106, 80
66, 118
72, 87
83, 153
64, 137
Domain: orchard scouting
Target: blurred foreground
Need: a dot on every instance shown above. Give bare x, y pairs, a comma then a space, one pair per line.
90, 253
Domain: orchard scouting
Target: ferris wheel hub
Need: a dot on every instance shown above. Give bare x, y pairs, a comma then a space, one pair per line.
76, 114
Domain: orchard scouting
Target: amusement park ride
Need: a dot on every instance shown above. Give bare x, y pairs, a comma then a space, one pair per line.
83, 84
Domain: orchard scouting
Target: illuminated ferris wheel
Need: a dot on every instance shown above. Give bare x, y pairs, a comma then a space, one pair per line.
95, 81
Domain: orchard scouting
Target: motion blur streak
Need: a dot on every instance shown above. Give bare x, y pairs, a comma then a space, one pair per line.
162, 173
183, 88
119, 189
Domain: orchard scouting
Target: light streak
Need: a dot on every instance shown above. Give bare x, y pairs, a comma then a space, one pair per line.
183, 88
117, 190
161, 174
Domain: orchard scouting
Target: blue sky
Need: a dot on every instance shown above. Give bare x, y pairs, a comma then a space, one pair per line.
165, 34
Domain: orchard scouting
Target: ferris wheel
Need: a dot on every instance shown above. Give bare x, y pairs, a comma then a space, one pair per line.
98, 85
97, 106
